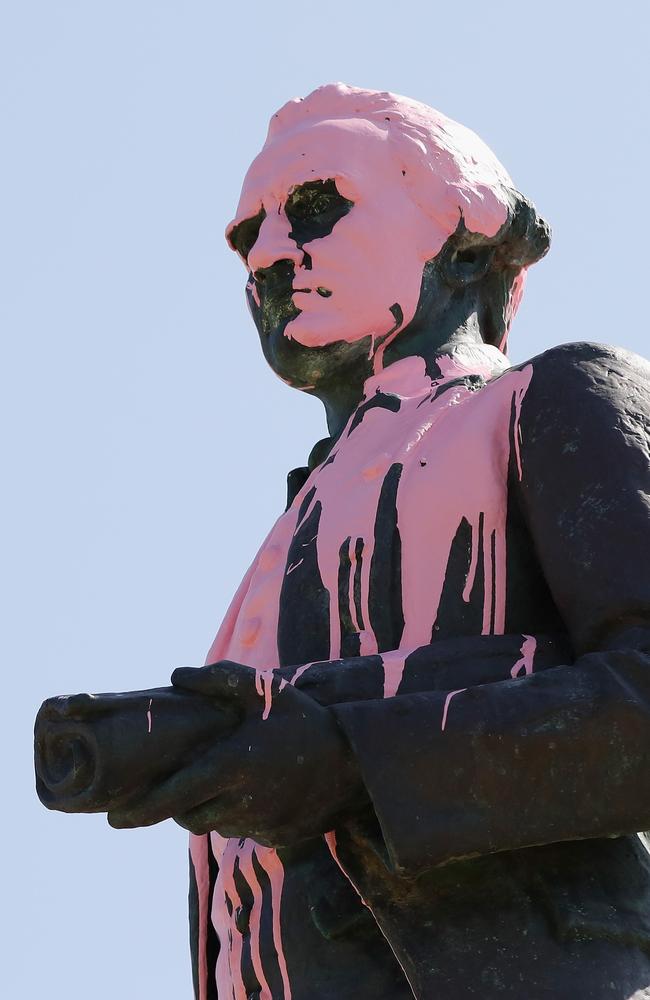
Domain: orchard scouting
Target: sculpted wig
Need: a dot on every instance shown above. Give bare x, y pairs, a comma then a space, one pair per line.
463, 190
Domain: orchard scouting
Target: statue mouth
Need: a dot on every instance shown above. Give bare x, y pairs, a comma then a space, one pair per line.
274, 304
324, 292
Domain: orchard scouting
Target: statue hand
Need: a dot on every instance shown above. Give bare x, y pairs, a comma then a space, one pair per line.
283, 774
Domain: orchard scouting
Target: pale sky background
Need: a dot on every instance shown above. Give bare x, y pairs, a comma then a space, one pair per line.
145, 441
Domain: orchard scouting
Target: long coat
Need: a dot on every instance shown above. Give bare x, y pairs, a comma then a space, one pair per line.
464, 577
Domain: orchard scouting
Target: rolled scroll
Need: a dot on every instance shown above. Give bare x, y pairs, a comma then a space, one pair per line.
94, 752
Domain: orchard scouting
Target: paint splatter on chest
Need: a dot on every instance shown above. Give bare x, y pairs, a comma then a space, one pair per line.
448, 445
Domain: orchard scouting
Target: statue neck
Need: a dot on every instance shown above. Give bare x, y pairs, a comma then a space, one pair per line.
462, 353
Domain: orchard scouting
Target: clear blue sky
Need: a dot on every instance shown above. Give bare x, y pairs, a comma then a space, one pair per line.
146, 444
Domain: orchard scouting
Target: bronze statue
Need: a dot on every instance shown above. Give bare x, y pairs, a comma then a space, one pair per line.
415, 763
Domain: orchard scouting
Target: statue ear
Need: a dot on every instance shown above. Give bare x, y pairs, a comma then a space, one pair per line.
465, 264
468, 257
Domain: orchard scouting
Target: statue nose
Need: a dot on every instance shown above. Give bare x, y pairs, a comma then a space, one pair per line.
273, 243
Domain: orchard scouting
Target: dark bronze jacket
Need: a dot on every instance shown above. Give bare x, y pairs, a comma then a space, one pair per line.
505, 756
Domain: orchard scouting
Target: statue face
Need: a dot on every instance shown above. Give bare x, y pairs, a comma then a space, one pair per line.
334, 243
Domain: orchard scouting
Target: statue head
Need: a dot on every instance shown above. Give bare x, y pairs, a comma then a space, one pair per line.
369, 222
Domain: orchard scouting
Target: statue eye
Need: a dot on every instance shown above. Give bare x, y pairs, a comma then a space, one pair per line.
242, 237
313, 209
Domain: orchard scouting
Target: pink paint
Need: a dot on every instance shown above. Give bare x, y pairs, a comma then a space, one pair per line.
264, 680
470, 452
458, 471
257, 600
228, 974
518, 397
264, 687
248, 871
525, 665
352, 604
516, 295
225, 903
300, 671
393, 664
471, 357
272, 865
149, 719
330, 840
199, 848
450, 695
454, 448
412, 174
222, 640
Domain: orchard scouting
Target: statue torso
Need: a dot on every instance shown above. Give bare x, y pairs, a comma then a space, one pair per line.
401, 537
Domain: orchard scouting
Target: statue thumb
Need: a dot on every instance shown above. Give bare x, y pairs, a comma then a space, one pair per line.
225, 680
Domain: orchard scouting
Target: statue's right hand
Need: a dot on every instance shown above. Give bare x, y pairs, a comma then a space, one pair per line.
283, 773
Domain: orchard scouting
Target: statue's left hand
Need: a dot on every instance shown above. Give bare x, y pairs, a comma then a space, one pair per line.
284, 774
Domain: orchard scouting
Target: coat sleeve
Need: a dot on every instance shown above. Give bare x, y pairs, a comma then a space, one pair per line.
564, 754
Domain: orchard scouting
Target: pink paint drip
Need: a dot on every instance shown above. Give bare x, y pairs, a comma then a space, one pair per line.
264, 687
518, 398
450, 695
226, 901
199, 848
255, 919
393, 664
272, 865
330, 840
460, 455
264, 680
525, 665
228, 853
472, 454
300, 671
352, 604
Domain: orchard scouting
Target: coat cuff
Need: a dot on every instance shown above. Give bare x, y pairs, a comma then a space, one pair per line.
562, 755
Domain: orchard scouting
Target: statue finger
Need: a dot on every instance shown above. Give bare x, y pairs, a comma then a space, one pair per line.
181, 792
202, 819
223, 679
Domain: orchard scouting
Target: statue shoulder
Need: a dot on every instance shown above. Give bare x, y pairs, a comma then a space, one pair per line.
578, 381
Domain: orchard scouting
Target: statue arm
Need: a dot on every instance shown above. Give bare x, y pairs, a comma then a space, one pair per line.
563, 754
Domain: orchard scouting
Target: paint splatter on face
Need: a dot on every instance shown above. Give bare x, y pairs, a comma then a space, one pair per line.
331, 235
352, 194
311, 211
